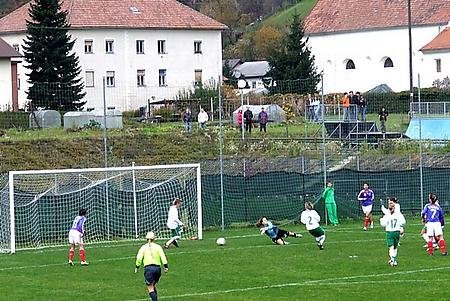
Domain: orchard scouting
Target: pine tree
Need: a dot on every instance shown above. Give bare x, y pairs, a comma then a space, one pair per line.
292, 64
54, 68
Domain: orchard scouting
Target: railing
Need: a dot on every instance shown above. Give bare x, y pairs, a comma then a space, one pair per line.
313, 113
429, 109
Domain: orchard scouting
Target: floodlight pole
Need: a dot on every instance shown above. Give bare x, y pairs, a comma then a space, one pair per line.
324, 146
242, 114
221, 155
105, 150
420, 143
411, 87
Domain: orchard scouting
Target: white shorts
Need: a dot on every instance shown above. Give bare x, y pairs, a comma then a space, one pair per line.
75, 237
434, 229
367, 209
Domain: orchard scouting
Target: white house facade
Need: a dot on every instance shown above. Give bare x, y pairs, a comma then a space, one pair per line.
370, 47
9, 60
140, 54
436, 56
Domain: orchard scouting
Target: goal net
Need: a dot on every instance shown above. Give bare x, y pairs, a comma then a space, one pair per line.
37, 207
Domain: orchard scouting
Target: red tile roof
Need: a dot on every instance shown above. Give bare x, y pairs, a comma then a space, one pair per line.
6, 51
440, 42
329, 16
155, 14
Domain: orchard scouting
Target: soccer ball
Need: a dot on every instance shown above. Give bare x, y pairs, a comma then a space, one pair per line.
220, 241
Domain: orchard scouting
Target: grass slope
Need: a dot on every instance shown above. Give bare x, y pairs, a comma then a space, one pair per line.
283, 18
353, 266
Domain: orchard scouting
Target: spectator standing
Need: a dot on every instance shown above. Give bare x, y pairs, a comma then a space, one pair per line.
262, 118
362, 108
354, 102
202, 119
383, 118
248, 116
346, 106
187, 120
239, 120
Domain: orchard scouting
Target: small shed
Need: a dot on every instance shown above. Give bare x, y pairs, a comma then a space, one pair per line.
274, 112
80, 119
44, 119
77, 119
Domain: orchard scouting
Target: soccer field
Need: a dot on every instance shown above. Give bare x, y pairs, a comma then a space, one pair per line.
353, 266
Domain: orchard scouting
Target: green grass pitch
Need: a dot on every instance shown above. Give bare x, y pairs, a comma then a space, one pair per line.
353, 266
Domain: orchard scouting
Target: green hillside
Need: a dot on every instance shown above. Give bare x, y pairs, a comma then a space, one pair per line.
282, 18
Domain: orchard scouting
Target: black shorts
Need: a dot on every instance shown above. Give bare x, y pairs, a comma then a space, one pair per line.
281, 234
152, 273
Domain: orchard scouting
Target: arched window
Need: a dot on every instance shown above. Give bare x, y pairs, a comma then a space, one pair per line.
350, 65
388, 63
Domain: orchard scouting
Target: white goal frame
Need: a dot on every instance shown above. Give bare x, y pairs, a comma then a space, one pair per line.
133, 169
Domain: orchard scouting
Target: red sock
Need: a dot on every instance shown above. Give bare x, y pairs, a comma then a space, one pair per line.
71, 254
430, 247
82, 255
442, 245
366, 221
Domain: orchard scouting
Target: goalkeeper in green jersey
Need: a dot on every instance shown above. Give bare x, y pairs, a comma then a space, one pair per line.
328, 196
153, 257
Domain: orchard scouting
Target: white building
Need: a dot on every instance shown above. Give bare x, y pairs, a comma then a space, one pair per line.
9, 59
361, 44
146, 51
253, 73
436, 55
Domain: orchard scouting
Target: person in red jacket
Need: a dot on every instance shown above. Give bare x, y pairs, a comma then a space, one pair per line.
239, 120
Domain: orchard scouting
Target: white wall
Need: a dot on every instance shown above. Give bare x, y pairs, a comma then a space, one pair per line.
180, 63
368, 49
429, 67
5, 84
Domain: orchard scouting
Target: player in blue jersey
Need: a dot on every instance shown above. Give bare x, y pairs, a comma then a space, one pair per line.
76, 233
275, 233
366, 197
433, 217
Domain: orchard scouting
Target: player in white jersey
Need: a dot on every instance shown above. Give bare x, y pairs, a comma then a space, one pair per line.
174, 224
396, 209
393, 221
311, 219
76, 233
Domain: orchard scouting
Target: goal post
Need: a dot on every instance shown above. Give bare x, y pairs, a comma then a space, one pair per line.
37, 207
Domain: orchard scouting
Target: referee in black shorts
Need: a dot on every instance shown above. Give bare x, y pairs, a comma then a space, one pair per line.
153, 257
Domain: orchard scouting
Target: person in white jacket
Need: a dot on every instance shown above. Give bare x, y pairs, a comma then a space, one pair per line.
174, 224
202, 119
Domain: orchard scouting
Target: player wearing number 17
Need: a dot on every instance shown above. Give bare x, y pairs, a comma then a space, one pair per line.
393, 221
433, 216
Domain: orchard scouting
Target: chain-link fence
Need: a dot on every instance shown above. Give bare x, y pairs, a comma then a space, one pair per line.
399, 147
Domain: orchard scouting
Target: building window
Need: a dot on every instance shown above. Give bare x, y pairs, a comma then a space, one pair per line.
139, 46
89, 79
141, 78
110, 79
198, 47
253, 85
18, 81
161, 46
350, 65
16, 47
162, 77
109, 46
438, 65
388, 63
88, 46
198, 77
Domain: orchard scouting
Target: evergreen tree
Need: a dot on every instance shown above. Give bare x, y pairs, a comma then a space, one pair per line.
292, 64
54, 68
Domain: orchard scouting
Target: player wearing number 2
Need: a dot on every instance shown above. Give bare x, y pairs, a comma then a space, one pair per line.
76, 233
433, 217
393, 221
311, 219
